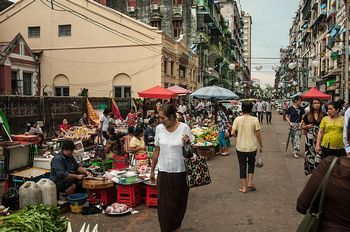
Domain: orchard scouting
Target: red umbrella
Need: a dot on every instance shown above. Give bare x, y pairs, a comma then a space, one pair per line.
315, 93
157, 93
179, 90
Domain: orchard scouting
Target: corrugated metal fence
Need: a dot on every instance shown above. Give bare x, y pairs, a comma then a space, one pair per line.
20, 110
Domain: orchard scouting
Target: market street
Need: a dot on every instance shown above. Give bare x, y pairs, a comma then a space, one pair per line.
220, 206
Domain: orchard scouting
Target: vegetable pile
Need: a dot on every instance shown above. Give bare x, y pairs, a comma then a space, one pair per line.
205, 136
39, 218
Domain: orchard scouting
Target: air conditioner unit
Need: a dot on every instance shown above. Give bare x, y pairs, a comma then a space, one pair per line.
131, 9
154, 6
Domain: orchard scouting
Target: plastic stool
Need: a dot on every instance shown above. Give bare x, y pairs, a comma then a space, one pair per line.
104, 196
129, 194
151, 196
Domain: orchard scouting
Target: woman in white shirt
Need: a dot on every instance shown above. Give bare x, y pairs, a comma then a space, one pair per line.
103, 123
171, 180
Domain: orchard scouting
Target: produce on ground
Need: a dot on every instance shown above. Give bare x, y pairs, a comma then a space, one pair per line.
4, 211
38, 218
116, 208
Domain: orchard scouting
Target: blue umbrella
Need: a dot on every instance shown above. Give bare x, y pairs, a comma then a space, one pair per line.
214, 93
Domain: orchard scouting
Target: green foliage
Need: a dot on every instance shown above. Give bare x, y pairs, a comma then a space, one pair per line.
38, 218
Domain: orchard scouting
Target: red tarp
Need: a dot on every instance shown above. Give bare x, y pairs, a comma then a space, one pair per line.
157, 93
179, 90
315, 93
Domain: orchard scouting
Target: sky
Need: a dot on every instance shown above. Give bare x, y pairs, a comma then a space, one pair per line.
272, 20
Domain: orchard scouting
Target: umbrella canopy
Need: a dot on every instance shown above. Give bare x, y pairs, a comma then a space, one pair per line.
179, 90
214, 93
315, 93
157, 93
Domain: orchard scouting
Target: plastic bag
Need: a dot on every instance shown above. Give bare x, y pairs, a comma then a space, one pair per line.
259, 162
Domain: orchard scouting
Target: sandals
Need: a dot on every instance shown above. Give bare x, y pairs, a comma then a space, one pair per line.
252, 187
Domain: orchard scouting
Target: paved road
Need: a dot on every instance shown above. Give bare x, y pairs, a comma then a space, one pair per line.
220, 206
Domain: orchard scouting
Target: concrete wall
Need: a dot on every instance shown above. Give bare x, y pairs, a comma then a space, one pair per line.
96, 54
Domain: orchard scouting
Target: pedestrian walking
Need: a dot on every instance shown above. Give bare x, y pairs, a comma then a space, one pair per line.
268, 108
254, 112
336, 207
294, 116
330, 135
345, 132
260, 110
310, 125
247, 130
171, 181
223, 130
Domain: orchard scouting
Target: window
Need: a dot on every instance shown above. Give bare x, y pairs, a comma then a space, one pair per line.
166, 66
21, 48
27, 84
33, 32
122, 91
62, 91
14, 83
182, 71
172, 67
177, 28
156, 23
64, 30
177, 2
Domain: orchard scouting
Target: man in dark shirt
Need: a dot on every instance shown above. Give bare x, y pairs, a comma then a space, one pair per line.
294, 116
150, 132
65, 171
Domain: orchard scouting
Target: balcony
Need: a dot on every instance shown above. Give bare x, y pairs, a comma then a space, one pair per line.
177, 11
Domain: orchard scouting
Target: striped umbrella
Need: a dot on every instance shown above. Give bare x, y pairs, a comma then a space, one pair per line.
214, 93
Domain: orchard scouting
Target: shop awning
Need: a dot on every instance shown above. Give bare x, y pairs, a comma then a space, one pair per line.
179, 90
315, 93
157, 93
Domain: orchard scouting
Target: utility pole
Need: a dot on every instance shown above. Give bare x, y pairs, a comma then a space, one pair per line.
346, 53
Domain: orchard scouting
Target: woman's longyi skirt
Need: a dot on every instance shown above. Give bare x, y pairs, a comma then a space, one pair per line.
172, 200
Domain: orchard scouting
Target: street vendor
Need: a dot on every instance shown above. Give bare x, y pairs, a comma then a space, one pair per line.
84, 121
115, 140
66, 173
150, 132
64, 127
109, 154
137, 144
34, 129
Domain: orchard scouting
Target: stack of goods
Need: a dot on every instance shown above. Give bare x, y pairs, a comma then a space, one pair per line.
205, 136
79, 133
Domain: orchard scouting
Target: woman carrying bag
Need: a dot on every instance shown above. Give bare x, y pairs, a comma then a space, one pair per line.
171, 135
336, 202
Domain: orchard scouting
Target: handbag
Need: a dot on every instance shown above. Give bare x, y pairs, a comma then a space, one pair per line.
313, 215
197, 171
187, 150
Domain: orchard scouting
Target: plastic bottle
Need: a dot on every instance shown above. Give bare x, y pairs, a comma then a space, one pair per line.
48, 192
29, 193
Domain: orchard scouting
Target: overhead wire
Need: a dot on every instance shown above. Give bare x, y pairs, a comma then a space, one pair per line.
101, 25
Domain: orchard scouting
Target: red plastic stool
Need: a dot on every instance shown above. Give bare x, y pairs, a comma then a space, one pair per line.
151, 196
129, 194
104, 196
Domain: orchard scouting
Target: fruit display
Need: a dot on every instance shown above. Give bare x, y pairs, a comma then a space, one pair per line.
205, 136
79, 133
